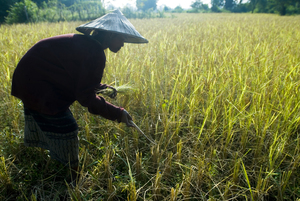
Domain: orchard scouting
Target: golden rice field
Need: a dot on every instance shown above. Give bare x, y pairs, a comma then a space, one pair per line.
219, 94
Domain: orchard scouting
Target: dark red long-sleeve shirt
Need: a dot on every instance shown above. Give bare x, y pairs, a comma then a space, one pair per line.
59, 70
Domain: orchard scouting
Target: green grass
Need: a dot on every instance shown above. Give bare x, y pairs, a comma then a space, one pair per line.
219, 93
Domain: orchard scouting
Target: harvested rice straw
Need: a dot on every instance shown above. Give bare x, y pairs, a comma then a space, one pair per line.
123, 89
141, 132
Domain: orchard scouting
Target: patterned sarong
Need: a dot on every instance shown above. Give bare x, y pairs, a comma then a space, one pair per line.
56, 133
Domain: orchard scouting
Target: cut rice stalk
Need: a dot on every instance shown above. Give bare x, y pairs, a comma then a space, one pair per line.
123, 89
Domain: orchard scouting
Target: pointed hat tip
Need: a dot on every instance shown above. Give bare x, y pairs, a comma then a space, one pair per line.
117, 11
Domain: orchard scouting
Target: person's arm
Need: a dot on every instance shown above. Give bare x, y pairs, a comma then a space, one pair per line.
101, 87
86, 96
88, 79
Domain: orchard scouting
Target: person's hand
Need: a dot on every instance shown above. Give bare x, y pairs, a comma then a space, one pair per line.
114, 93
126, 118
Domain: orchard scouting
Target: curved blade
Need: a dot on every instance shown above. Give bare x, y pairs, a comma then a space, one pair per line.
141, 132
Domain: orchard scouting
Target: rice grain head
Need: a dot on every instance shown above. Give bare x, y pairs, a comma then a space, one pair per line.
123, 89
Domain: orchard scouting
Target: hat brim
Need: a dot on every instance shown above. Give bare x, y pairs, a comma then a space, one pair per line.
114, 22
127, 37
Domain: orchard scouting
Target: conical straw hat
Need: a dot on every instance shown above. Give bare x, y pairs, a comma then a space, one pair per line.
114, 22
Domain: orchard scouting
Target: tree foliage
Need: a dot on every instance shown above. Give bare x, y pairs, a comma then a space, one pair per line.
13, 11
24, 11
178, 9
282, 7
198, 6
54, 10
216, 4
4, 7
230, 4
146, 4
68, 2
8, 6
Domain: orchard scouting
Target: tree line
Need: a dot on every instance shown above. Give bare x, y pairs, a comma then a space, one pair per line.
282, 7
20, 11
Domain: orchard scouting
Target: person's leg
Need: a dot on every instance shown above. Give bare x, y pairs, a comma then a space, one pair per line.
32, 136
75, 173
59, 135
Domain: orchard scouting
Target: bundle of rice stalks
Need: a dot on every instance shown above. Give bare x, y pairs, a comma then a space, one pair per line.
123, 89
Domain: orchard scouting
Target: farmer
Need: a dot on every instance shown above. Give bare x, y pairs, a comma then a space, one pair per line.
59, 70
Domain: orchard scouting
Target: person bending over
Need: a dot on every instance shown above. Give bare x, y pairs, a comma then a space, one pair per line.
62, 69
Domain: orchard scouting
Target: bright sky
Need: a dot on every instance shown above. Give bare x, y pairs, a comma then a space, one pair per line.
169, 3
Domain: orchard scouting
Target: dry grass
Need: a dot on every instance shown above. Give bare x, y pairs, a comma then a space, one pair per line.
217, 92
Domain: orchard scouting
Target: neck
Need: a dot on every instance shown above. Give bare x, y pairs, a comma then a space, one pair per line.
103, 44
